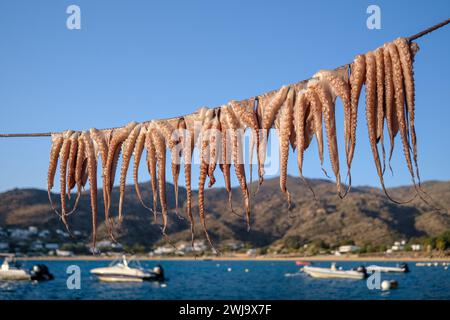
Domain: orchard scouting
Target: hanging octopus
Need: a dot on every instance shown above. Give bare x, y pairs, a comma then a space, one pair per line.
297, 111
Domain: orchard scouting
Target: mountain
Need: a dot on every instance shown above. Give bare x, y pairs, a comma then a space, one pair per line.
366, 215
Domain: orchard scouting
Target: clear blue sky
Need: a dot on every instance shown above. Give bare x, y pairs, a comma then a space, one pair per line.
139, 60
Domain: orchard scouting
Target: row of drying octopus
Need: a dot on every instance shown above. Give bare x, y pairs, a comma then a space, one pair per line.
297, 111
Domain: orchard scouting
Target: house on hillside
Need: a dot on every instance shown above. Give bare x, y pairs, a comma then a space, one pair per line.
22, 234
64, 253
348, 249
167, 249
33, 230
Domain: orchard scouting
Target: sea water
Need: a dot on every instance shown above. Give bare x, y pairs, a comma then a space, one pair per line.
255, 280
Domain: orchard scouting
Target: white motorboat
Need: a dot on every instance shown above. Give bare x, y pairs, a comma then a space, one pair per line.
334, 272
400, 268
124, 270
11, 271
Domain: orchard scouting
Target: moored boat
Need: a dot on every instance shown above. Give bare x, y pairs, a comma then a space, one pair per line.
421, 264
399, 268
10, 270
124, 270
334, 272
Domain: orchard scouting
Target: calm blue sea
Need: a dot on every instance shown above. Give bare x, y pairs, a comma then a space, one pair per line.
213, 280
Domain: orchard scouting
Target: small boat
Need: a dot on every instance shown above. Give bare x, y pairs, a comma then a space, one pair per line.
334, 272
124, 270
11, 270
302, 263
421, 264
399, 268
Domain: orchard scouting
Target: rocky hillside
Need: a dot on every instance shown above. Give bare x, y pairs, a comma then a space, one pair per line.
364, 216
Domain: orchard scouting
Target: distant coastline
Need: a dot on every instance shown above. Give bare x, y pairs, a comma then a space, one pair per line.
244, 258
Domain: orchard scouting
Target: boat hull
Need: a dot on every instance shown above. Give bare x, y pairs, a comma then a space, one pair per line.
109, 278
120, 274
323, 273
16, 275
384, 269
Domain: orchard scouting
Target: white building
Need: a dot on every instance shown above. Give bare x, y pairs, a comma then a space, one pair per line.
416, 247
398, 246
200, 245
164, 250
64, 253
19, 233
185, 247
33, 230
348, 249
104, 244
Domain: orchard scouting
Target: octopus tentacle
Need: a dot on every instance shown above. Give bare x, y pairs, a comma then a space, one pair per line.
160, 149
301, 110
399, 104
325, 97
371, 109
371, 87
316, 108
167, 129
72, 162
337, 82
357, 79
92, 172
270, 106
214, 136
225, 164
176, 159
245, 112
114, 149
204, 164
391, 116
406, 59
80, 167
284, 124
138, 149
187, 145
128, 149
236, 150
151, 166
64, 157
101, 140
57, 142
380, 114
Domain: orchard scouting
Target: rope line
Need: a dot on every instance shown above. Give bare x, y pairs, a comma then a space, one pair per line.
411, 38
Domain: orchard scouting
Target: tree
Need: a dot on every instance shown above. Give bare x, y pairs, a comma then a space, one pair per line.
441, 244
292, 242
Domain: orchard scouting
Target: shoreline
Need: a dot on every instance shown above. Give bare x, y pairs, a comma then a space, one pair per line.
242, 258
